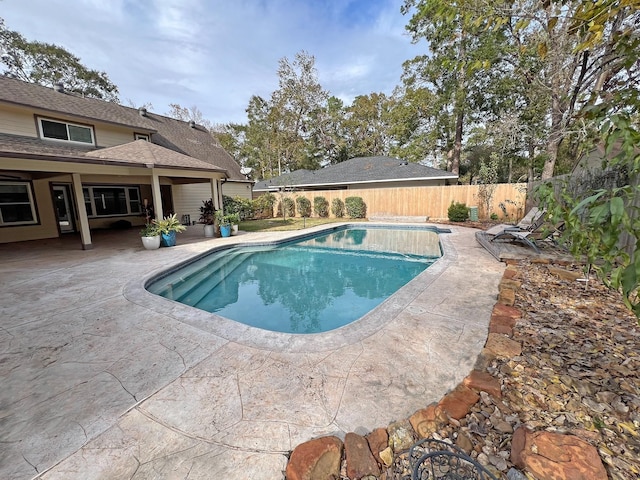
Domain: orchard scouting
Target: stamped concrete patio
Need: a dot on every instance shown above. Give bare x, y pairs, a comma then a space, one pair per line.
102, 380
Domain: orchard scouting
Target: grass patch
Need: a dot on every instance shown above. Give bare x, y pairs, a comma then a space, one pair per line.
296, 223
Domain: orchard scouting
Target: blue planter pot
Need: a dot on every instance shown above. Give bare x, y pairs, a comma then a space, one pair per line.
169, 239
225, 230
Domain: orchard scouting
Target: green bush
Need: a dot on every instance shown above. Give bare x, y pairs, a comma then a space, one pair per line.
289, 208
243, 207
304, 206
458, 212
263, 206
337, 208
355, 207
321, 206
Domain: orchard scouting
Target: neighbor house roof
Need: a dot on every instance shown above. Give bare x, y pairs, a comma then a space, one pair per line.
357, 170
177, 135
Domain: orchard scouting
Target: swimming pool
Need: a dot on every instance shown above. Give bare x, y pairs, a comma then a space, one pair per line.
310, 285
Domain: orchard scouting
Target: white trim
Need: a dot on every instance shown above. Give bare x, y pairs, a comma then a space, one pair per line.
356, 182
66, 124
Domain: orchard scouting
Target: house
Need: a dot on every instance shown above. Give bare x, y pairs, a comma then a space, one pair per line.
361, 172
73, 164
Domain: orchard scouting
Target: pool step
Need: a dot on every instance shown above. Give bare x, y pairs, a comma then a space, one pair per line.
178, 284
196, 290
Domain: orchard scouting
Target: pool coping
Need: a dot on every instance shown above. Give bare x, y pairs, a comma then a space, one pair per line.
234, 331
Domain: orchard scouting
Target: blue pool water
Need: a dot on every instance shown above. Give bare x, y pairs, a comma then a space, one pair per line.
306, 286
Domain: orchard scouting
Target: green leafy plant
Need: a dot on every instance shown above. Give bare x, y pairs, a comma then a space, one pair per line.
262, 207
601, 214
337, 208
488, 176
242, 206
222, 219
494, 217
149, 230
234, 218
321, 206
458, 212
169, 224
355, 207
304, 206
287, 207
207, 212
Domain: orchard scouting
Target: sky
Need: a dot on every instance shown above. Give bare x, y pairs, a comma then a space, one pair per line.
216, 54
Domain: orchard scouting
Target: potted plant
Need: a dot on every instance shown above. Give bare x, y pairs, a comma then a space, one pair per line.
168, 227
224, 224
150, 236
207, 217
234, 219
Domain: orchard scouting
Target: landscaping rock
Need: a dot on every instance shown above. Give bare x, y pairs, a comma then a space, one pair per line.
428, 420
378, 440
458, 402
401, 435
506, 311
507, 296
483, 382
554, 456
360, 461
503, 346
317, 459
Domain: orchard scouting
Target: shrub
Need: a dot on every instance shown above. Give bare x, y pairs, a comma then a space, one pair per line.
289, 207
304, 206
321, 206
337, 208
263, 206
242, 206
458, 212
355, 207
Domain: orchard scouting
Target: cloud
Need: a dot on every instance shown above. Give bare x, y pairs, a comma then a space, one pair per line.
217, 54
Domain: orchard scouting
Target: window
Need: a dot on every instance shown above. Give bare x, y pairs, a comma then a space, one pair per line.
105, 201
64, 131
141, 136
16, 204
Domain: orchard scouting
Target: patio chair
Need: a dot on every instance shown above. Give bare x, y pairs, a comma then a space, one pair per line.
530, 222
542, 231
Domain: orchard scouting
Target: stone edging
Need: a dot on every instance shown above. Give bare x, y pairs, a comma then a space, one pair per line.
371, 456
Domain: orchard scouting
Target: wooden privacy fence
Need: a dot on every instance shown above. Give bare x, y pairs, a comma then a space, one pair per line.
508, 200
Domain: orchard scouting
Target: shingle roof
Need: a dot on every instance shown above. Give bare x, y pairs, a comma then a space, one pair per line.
167, 132
357, 170
27, 94
146, 153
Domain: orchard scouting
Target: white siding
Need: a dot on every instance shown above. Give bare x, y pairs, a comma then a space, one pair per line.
187, 199
107, 136
237, 189
17, 122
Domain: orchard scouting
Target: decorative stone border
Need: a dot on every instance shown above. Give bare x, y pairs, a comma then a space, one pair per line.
546, 455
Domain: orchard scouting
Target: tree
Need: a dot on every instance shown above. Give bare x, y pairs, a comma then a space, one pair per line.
292, 107
47, 64
461, 47
191, 114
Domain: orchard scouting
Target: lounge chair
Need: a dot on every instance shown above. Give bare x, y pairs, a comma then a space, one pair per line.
530, 222
539, 230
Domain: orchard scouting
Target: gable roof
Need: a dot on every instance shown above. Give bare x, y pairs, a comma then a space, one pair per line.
356, 170
176, 135
151, 155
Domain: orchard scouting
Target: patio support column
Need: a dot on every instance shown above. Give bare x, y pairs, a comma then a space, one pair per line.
85, 233
214, 194
157, 196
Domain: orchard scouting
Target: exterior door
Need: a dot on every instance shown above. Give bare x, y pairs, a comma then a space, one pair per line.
64, 208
